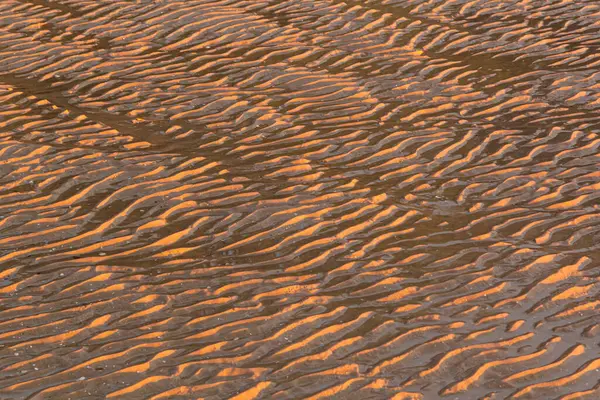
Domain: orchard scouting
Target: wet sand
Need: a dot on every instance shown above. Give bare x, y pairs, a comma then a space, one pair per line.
299, 199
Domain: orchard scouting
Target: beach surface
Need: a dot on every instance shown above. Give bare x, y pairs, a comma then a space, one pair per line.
299, 199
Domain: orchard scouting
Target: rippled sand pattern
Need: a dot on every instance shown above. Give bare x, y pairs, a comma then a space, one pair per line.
299, 199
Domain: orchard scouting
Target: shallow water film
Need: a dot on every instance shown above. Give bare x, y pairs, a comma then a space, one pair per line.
299, 199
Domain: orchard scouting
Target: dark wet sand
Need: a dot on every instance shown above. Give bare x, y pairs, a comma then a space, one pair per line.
299, 199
